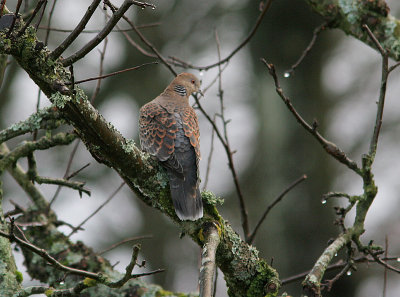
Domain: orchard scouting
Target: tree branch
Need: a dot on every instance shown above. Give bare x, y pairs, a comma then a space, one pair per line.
30, 146
76, 32
350, 16
207, 269
238, 48
331, 148
245, 272
99, 37
47, 118
279, 198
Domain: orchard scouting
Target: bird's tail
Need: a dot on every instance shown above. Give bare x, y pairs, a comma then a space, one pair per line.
185, 197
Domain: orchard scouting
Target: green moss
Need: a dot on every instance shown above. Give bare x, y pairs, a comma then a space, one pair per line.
89, 282
350, 9
49, 292
19, 276
210, 198
129, 146
59, 100
266, 282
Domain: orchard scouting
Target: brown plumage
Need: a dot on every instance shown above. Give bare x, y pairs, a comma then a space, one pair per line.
169, 131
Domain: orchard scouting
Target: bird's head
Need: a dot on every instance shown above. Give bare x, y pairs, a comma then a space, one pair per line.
188, 81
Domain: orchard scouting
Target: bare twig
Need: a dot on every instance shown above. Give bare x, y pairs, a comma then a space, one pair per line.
35, 11
385, 271
42, 253
382, 262
144, 40
238, 48
100, 36
207, 269
129, 268
15, 16
46, 39
128, 274
331, 148
344, 270
102, 55
279, 198
63, 182
76, 171
126, 240
393, 67
242, 204
113, 73
71, 157
382, 94
41, 15
316, 32
98, 209
209, 159
75, 33
48, 28
338, 265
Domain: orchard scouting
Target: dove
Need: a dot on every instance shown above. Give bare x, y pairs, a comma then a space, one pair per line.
169, 131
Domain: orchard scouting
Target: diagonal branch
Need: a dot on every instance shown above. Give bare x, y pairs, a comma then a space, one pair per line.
75, 33
279, 198
237, 49
103, 34
331, 148
30, 146
144, 40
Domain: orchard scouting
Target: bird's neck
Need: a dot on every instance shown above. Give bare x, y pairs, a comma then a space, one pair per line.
176, 91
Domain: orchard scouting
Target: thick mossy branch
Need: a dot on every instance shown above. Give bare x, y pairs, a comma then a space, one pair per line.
56, 244
351, 15
245, 272
10, 278
47, 118
27, 147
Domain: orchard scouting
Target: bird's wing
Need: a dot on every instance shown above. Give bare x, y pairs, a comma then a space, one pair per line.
157, 131
191, 128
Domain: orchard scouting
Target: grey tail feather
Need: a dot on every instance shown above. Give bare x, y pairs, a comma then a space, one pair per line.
185, 197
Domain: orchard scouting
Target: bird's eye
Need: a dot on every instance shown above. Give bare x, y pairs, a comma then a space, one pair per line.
193, 81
